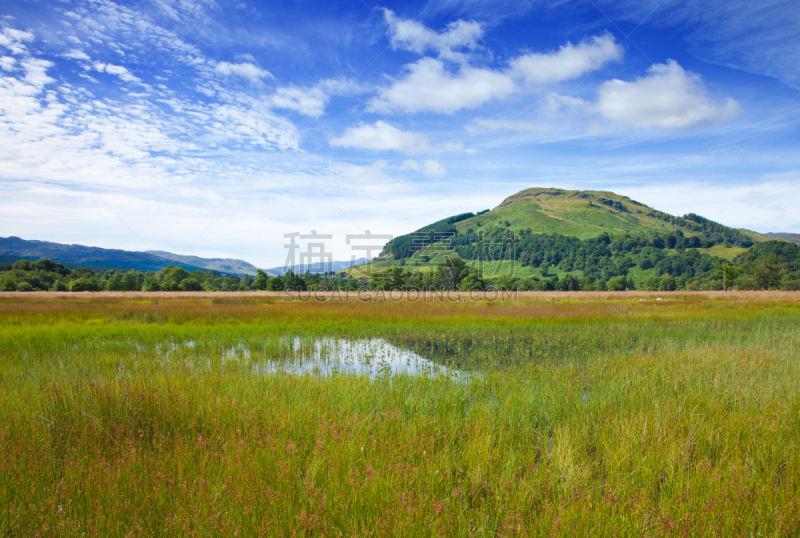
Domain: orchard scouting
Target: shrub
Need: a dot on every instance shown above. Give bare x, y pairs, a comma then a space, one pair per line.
190, 284
667, 283
60, 285
616, 283
24, 286
8, 285
86, 283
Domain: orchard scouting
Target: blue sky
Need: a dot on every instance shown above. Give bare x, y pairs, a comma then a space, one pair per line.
215, 128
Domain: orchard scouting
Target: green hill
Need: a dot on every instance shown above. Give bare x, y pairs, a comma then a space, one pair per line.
223, 265
583, 239
581, 214
85, 256
794, 238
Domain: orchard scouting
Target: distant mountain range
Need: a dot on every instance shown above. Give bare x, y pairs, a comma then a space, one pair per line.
317, 267
223, 265
794, 238
13, 248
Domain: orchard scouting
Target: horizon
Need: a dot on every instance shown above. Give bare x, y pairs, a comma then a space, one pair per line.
228, 128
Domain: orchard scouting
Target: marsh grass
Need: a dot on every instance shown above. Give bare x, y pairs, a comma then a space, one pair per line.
587, 418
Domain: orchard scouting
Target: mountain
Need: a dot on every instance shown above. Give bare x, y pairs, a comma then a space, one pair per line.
317, 267
544, 233
581, 214
223, 265
79, 255
586, 214
793, 238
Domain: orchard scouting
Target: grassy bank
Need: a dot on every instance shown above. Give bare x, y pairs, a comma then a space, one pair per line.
581, 416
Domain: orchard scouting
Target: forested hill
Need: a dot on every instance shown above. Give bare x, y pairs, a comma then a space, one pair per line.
546, 238
96, 257
580, 214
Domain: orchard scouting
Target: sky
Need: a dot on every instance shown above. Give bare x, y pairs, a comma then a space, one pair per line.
218, 128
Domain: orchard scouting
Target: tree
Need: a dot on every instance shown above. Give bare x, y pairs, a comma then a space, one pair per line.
768, 272
472, 282
260, 281
173, 278
190, 284
60, 285
43, 264
131, 281
545, 267
24, 286
616, 283
151, 283
667, 283
729, 274
450, 273
114, 283
8, 285
275, 284
392, 278
293, 282
23, 265
86, 283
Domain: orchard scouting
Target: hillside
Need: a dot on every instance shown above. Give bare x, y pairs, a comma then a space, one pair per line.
586, 214
317, 267
583, 239
95, 257
580, 214
793, 238
223, 265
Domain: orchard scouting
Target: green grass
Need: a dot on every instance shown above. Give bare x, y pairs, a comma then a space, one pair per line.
726, 253
584, 417
545, 210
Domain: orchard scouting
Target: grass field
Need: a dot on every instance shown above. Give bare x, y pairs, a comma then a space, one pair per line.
588, 414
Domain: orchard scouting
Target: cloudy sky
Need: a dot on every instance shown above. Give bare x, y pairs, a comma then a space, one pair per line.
214, 129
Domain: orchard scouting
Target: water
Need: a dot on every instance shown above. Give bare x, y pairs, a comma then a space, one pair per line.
373, 357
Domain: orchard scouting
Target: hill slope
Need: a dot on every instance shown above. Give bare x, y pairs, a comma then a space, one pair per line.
586, 214
793, 238
581, 214
223, 265
80, 255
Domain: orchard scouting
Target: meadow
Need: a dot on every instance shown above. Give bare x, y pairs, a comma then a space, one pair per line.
561, 414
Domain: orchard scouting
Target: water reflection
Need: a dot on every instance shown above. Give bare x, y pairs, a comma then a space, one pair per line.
373, 356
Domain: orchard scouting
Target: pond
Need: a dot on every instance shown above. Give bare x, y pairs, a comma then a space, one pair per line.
372, 356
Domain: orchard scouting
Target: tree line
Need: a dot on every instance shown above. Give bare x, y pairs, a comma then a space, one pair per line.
605, 263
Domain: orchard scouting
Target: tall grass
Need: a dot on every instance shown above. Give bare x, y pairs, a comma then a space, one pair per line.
586, 418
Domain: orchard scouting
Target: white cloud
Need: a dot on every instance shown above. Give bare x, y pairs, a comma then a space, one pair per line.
308, 101
667, 97
758, 37
36, 72
245, 70
480, 125
13, 40
430, 87
410, 35
117, 70
7, 63
433, 169
449, 83
410, 164
382, 137
569, 62
76, 54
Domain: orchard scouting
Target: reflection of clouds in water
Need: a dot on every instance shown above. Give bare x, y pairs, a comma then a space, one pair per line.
315, 356
373, 356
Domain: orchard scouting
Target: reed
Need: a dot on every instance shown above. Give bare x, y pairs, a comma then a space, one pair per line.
583, 416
